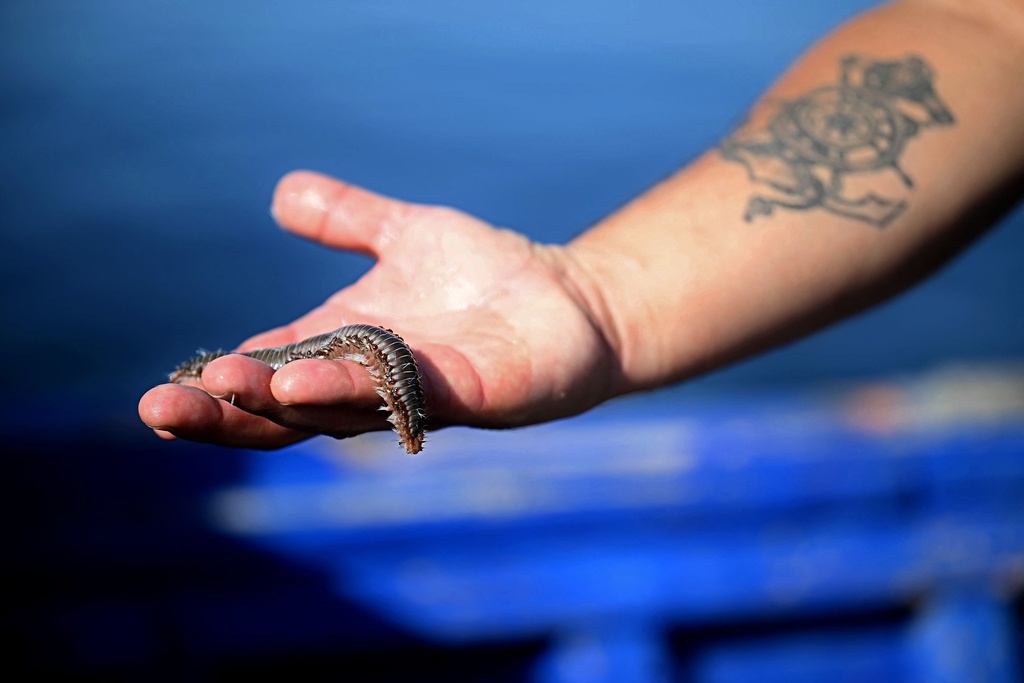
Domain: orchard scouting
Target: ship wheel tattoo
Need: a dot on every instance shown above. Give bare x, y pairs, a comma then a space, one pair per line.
861, 126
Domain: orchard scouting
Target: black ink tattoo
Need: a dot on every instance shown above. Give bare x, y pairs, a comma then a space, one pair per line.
859, 126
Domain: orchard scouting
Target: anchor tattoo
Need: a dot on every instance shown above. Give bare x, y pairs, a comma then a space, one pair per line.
859, 126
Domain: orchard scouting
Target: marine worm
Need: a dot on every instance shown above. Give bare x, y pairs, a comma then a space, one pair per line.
384, 354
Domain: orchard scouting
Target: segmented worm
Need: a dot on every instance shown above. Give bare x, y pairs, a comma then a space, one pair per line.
382, 352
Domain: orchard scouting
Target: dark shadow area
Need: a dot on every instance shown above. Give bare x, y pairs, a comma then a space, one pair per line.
113, 573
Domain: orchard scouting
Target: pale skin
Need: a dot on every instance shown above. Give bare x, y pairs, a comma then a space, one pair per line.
509, 332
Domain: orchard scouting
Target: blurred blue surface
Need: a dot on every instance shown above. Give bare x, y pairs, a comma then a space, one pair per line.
760, 533
874, 533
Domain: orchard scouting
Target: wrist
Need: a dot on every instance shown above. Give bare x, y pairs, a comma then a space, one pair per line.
598, 278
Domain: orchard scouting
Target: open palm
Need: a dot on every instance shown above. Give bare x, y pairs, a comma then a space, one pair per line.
500, 326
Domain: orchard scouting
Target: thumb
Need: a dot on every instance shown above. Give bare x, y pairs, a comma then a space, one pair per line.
335, 213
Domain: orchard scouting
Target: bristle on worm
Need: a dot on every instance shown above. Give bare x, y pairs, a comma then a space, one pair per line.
384, 354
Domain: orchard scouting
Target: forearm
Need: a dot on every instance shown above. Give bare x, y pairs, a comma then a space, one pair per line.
850, 181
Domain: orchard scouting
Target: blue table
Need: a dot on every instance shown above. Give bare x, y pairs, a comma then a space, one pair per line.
606, 533
869, 534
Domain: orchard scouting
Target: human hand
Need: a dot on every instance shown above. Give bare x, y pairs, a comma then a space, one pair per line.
502, 329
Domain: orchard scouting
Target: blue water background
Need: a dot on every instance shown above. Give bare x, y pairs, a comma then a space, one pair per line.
139, 144
141, 141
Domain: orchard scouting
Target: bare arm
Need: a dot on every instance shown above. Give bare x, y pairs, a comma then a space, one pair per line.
884, 150
889, 146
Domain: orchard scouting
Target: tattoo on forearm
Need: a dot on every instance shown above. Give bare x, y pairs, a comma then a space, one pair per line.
801, 157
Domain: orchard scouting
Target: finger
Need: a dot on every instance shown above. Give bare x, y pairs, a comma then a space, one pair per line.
256, 387
315, 396
329, 397
242, 411
336, 214
241, 381
176, 410
324, 382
